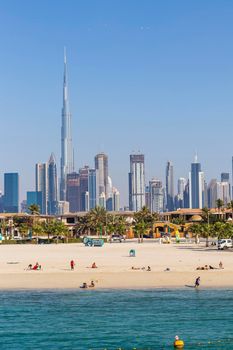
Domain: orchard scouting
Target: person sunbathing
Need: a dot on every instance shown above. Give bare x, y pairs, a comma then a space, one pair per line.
135, 268
92, 285
36, 267
93, 266
84, 286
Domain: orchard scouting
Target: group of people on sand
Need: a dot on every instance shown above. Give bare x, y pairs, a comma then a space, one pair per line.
85, 285
37, 266
72, 265
210, 267
141, 268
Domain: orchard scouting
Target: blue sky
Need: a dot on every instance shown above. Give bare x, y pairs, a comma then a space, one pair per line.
154, 76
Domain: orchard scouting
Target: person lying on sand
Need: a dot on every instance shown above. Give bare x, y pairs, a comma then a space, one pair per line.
84, 286
138, 268
36, 267
202, 267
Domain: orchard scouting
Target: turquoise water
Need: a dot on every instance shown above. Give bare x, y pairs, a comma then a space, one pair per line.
92, 319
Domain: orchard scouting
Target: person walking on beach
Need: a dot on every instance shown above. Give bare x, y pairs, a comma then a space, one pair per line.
197, 282
72, 264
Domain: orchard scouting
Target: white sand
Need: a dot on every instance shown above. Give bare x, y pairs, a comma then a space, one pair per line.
114, 266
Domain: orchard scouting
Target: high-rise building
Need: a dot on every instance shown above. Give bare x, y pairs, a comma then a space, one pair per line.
170, 186
73, 192
11, 192
156, 195
63, 208
179, 198
225, 177
102, 200
67, 164
34, 197
1, 202
41, 181
83, 176
101, 164
115, 199
212, 193
93, 188
147, 197
223, 192
52, 186
136, 182
196, 186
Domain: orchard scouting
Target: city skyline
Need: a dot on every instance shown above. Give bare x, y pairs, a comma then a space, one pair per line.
126, 75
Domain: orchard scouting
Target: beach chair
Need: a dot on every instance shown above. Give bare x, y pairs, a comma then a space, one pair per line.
132, 253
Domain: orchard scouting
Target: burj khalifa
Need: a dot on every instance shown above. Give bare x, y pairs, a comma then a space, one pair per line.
67, 162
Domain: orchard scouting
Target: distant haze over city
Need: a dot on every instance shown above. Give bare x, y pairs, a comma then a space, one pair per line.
143, 78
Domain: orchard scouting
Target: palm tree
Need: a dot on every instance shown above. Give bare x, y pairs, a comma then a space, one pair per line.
97, 219
147, 218
23, 229
219, 204
230, 206
195, 229
140, 228
34, 209
3, 226
121, 225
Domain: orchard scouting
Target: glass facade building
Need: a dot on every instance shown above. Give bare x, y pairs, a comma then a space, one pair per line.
11, 192
136, 182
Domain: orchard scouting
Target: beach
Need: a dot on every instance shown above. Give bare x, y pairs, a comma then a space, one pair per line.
114, 266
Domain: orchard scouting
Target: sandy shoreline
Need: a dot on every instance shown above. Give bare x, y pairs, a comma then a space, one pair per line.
114, 266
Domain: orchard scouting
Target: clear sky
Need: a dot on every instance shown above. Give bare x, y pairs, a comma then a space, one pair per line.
154, 76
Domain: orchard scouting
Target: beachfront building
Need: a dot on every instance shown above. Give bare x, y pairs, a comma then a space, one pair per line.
101, 164
169, 186
11, 192
41, 181
136, 182
52, 186
67, 164
196, 186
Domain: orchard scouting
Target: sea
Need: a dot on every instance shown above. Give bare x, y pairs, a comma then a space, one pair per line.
116, 319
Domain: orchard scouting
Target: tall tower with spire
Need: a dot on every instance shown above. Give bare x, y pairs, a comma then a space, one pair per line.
67, 164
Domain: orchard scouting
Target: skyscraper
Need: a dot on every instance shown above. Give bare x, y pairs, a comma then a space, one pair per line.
101, 164
212, 193
42, 185
34, 197
93, 188
67, 165
136, 182
170, 186
11, 192
83, 176
73, 191
52, 186
156, 195
196, 186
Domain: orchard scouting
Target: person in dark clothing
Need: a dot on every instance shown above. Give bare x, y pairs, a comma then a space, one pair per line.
197, 282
